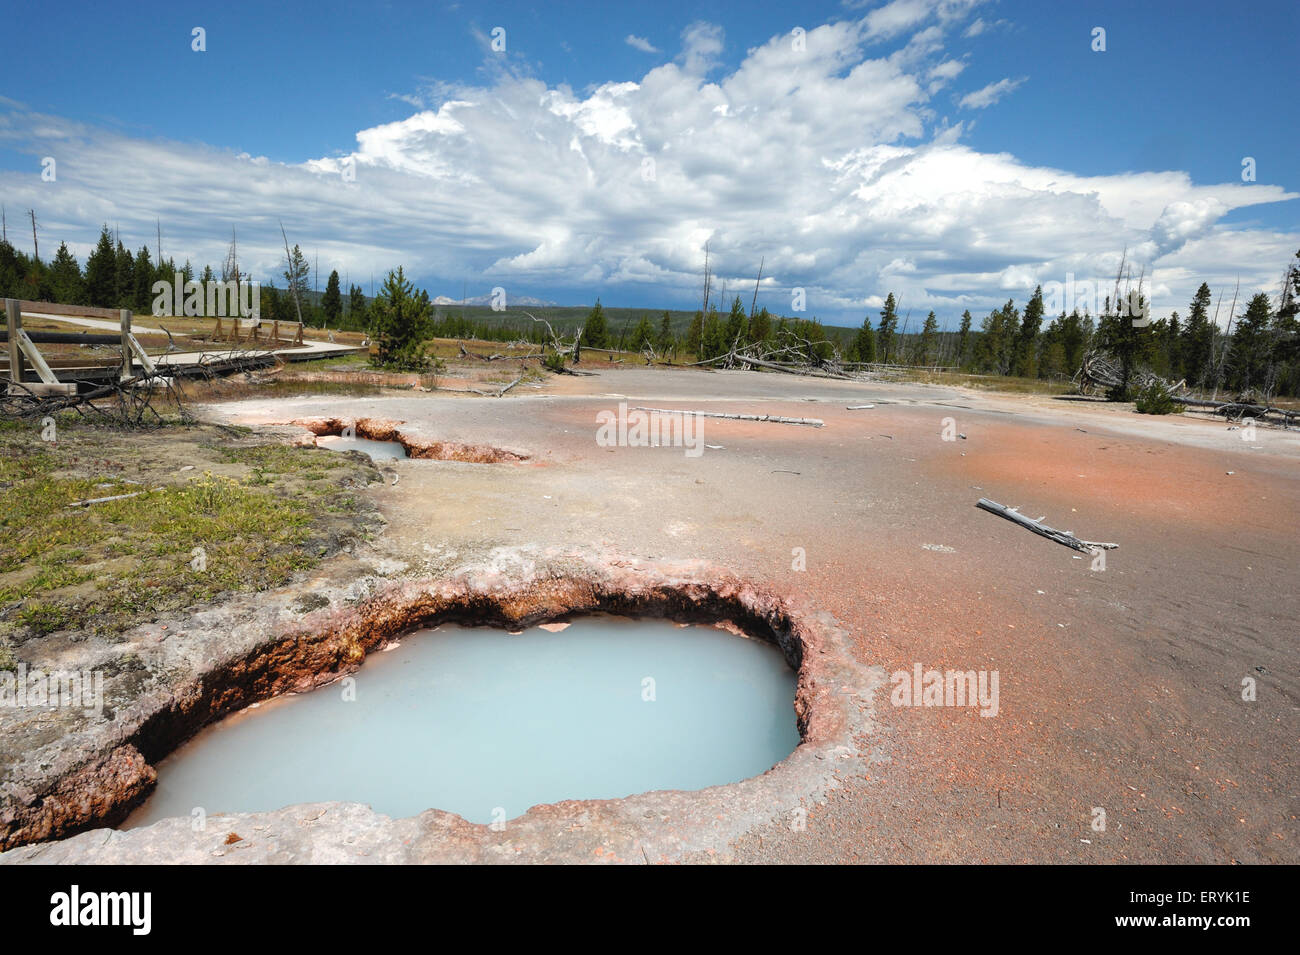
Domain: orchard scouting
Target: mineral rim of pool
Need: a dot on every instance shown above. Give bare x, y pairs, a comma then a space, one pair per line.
486, 724
378, 450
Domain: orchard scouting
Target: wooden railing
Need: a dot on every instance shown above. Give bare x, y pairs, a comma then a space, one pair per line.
22, 349
230, 329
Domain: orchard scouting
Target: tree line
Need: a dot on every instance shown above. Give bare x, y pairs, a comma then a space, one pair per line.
1258, 349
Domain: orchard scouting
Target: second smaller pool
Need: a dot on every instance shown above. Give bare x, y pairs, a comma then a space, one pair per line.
378, 450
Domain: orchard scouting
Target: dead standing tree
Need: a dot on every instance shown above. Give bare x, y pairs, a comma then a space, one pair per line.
570, 350
289, 272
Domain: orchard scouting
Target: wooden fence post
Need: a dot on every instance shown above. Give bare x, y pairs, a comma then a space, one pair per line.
14, 321
125, 317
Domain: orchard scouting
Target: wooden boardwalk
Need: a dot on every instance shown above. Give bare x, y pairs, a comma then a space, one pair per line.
50, 371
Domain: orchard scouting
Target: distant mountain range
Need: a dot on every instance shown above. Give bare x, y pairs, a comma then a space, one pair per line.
511, 301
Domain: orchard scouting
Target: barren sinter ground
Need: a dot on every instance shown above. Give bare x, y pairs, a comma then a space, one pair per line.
1119, 688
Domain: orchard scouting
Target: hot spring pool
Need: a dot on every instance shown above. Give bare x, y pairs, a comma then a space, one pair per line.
378, 450
486, 724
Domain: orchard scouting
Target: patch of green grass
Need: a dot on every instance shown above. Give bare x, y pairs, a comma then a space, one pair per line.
335, 363
1005, 383
291, 387
41, 617
107, 566
280, 458
193, 541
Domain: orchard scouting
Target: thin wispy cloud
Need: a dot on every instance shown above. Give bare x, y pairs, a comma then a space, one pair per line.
641, 43
986, 96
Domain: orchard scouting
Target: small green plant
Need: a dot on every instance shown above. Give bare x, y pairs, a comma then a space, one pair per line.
1156, 399
554, 362
43, 618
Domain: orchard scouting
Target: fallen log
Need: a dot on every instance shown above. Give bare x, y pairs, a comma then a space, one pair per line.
495, 394
1042, 530
788, 369
102, 500
1237, 408
775, 419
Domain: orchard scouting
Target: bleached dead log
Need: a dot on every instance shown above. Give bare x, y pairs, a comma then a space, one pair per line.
806, 370
775, 419
498, 393
102, 500
1042, 530
1238, 409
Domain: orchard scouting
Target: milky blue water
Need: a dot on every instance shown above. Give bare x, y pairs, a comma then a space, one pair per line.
378, 450
486, 724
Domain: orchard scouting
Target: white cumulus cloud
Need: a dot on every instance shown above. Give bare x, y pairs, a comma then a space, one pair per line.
825, 159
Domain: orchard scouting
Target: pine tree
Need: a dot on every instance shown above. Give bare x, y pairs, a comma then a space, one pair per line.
296, 276
929, 340
887, 327
595, 332
1169, 345
1197, 345
864, 344
1009, 323
101, 273
12, 267
1250, 361
963, 340
142, 303
734, 334
1074, 341
402, 319
124, 281
997, 341
1027, 337
332, 301
665, 341
695, 335
643, 334
356, 298
1051, 360
711, 345
65, 277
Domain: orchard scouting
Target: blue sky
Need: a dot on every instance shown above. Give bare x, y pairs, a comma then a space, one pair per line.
945, 123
